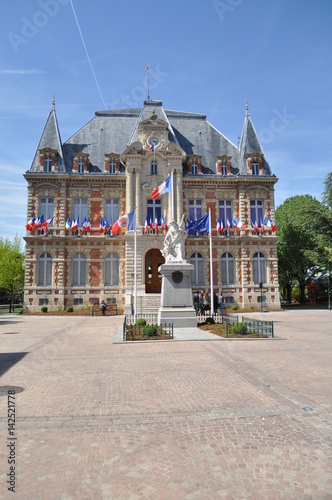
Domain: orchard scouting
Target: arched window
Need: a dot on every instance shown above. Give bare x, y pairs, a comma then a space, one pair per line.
111, 269
44, 270
79, 270
227, 269
197, 276
259, 268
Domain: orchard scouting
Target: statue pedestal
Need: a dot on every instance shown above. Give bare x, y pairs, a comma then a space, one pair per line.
176, 295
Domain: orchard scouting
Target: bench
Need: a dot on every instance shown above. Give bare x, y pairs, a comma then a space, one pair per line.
111, 310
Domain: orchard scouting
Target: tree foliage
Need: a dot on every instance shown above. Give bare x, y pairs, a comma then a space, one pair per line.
11, 268
302, 242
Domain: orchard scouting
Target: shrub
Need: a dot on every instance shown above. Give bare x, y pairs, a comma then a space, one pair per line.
149, 331
210, 321
70, 309
234, 308
240, 328
140, 322
44, 309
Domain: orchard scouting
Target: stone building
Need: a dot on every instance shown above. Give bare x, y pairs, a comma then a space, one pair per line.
109, 168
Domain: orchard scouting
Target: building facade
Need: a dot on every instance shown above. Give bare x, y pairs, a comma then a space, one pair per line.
109, 168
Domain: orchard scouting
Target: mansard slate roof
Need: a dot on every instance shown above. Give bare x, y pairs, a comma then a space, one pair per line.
113, 131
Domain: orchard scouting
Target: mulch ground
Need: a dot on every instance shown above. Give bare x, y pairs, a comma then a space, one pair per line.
220, 330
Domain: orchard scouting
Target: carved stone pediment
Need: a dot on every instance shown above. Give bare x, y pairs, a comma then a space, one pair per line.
173, 149
135, 148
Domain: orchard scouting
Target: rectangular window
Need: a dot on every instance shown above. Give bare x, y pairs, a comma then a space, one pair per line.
112, 168
80, 209
78, 302
225, 211
195, 210
229, 300
256, 211
80, 167
255, 168
154, 168
261, 299
43, 302
111, 210
224, 169
47, 164
194, 168
46, 208
154, 210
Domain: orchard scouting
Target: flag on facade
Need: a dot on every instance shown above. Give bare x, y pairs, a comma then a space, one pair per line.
228, 227
68, 223
218, 226
165, 224
101, 226
47, 223
150, 224
88, 226
255, 227
105, 226
125, 223
150, 147
165, 187
74, 226
261, 224
38, 222
156, 224
161, 223
240, 224
273, 226
146, 226
200, 225
31, 224
268, 223
84, 224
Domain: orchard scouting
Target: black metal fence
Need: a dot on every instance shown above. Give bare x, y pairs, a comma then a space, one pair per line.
248, 326
152, 331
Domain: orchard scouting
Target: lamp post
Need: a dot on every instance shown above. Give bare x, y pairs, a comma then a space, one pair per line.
328, 291
261, 287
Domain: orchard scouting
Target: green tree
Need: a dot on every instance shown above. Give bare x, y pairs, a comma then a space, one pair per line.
327, 193
11, 268
302, 243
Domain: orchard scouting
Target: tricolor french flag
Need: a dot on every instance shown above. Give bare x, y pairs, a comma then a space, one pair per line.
161, 223
31, 224
156, 224
146, 226
165, 224
240, 224
101, 226
151, 226
68, 223
88, 226
74, 226
228, 227
165, 187
105, 226
218, 226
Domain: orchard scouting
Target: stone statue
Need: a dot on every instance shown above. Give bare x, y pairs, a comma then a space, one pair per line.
174, 250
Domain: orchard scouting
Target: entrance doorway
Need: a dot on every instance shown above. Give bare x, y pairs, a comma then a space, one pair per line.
153, 259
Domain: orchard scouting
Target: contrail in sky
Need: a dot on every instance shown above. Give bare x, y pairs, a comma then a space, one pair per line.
87, 54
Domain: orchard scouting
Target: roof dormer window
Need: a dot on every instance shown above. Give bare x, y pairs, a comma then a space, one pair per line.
112, 167
47, 165
81, 163
255, 168
112, 163
194, 168
223, 165
194, 165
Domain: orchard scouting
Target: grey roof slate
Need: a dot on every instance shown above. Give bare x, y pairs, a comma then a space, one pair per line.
113, 131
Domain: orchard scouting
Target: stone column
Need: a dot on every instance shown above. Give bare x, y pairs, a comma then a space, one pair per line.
138, 197
178, 199
129, 191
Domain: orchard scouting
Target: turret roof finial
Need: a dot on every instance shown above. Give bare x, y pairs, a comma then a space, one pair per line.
247, 107
53, 102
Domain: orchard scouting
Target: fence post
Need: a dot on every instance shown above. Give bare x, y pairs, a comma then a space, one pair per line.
92, 310
272, 330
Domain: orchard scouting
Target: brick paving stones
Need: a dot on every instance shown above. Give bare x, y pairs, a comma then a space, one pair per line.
167, 420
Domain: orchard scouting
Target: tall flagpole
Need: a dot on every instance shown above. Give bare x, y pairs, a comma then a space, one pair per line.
135, 271
211, 265
173, 189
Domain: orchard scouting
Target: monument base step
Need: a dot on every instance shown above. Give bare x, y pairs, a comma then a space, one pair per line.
181, 317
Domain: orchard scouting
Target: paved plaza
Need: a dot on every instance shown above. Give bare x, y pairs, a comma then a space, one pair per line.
184, 419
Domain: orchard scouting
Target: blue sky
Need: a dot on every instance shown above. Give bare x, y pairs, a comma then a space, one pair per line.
205, 56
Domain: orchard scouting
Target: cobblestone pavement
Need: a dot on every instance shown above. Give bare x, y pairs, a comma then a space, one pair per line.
168, 420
